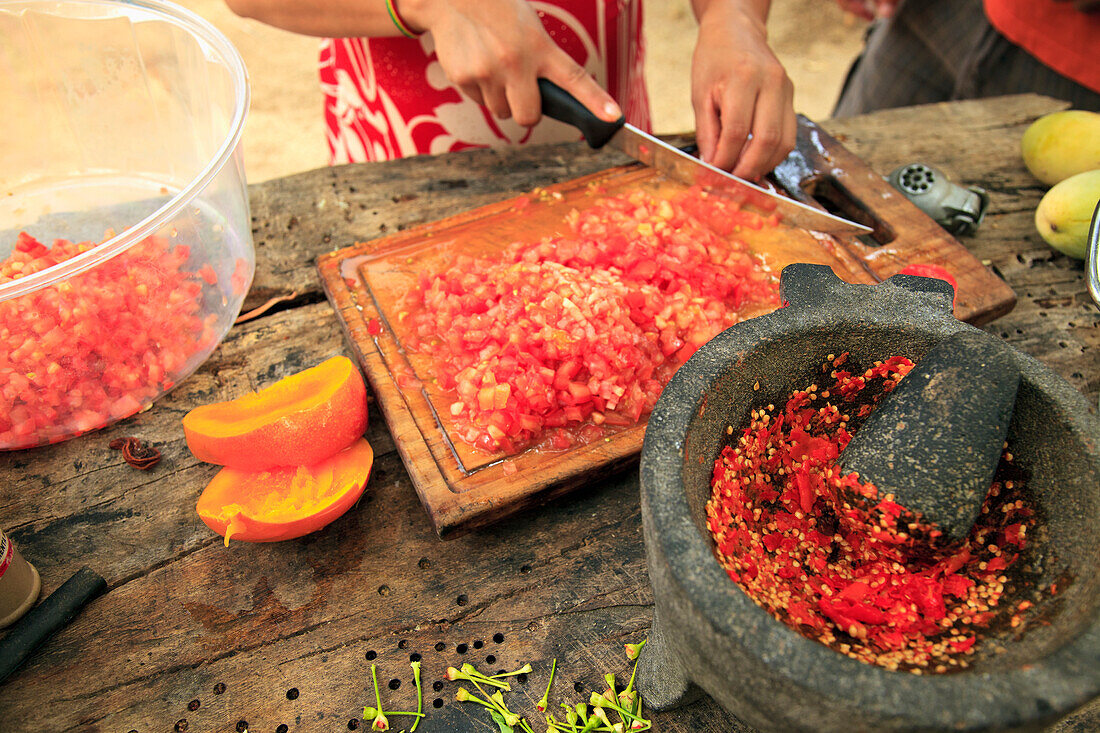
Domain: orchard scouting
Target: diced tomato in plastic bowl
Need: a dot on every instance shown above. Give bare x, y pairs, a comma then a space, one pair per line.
125, 237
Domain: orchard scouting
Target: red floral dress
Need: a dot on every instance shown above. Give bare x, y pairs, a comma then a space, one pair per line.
387, 98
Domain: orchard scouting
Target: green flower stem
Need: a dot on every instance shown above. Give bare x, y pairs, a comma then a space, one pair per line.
570, 718
541, 706
419, 694
374, 679
380, 722
628, 695
598, 701
525, 669
492, 702
630, 686
369, 712
509, 717
590, 725
470, 674
463, 695
552, 724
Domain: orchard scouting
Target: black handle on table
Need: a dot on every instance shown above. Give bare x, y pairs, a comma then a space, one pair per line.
50, 615
562, 106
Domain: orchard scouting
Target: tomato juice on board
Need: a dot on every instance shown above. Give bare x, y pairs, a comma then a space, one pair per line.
559, 323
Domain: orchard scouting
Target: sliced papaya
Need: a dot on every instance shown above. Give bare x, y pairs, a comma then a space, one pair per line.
285, 502
298, 421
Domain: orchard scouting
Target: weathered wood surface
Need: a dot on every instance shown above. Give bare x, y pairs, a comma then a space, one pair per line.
185, 616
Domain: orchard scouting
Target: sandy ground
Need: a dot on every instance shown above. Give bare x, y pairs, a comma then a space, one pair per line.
284, 133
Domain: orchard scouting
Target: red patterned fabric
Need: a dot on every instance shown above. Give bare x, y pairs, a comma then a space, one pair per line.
387, 98
1057, 34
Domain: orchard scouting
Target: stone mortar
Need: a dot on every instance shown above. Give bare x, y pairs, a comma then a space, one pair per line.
708, 635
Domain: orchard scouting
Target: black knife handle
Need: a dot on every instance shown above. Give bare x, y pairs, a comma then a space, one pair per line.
562, 106
50, 615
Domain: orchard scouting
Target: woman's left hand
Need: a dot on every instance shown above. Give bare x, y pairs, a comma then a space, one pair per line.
740, 89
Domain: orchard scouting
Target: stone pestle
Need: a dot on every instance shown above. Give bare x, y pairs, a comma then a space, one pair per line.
935, 441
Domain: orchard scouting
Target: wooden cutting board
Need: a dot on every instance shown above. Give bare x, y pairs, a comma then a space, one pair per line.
462, 488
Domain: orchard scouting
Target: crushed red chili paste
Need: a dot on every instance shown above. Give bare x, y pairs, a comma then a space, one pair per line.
96, 347
827, 556
587, 327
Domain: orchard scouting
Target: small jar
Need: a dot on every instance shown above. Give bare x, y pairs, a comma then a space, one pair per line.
19, 583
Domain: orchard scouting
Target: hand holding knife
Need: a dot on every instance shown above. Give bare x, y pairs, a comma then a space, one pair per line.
678, 165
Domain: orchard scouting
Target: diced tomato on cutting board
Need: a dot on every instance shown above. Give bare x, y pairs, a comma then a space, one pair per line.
586, 327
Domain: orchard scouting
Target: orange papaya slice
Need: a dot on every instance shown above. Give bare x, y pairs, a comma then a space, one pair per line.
285, 502
298, 421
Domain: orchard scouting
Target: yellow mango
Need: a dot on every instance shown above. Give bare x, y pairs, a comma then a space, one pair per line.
1062, 144
1065, 211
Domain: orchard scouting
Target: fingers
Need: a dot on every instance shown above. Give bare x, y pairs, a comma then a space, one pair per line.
508, 86
707, 125
501, 94
524, 101
560, 68
773, 130
746, 122
497, 99
734, 124
471, 90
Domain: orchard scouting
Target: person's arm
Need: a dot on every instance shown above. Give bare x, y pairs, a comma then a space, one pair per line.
325, 18
493, 50
740, 88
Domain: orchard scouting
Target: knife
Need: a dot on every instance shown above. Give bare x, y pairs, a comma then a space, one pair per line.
560, 105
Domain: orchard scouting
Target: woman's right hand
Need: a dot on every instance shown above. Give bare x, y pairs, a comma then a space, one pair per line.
496, 50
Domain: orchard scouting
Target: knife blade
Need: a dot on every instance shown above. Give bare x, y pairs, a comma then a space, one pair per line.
560, 105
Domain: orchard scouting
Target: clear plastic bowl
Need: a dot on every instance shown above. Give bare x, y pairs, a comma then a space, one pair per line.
120, 156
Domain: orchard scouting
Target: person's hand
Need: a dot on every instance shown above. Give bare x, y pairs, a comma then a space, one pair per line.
870, 9
1085, 6
738, 88
495, 51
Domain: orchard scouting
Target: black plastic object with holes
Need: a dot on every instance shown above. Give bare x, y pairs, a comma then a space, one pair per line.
957, 209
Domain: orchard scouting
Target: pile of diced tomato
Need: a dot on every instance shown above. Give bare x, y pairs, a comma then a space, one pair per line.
553, 340
98, 346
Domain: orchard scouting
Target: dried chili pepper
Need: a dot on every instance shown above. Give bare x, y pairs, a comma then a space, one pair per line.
136, 453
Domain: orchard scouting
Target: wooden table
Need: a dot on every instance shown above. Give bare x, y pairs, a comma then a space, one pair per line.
194, 636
